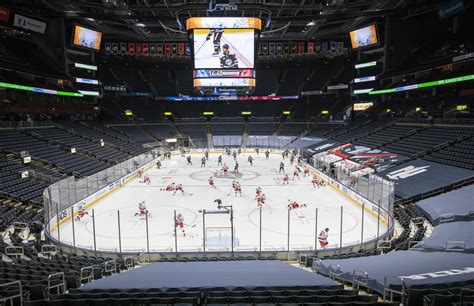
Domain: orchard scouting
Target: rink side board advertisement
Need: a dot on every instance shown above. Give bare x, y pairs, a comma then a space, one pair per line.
87, 202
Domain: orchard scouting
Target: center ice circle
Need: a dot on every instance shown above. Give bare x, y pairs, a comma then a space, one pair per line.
204, 175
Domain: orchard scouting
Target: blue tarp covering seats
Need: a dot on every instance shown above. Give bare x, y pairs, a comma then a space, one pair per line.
417, 268
457, 204
419, 176
247, 274
454, 235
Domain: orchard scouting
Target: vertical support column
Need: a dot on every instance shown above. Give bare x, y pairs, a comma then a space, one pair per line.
378, 223
316, 230
73, 229
57, 221
175, 234
288, 237
203, 229
362, 226
147, 236
340, 232
119, 232
93, 232
260, 230
232, 230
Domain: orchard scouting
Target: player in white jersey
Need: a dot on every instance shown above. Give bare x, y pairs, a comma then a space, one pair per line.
142, 211
179, 223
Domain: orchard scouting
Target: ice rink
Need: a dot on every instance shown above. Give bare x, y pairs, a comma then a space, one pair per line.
122, 204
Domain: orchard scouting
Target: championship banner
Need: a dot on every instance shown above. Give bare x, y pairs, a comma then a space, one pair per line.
108, 49
188, 49
294, 48
310, 47
279, 48
180, 48
324, 47
340, 48
301, 47
286, 48
317, 48
333, 47
138, 49
174, 49
123, 49
271, 48
131, 49
4, 14
152, 49
115, 48
264, 48
145, 49
159, 49
167, 49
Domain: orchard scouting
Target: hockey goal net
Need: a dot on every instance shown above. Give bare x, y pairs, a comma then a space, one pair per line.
220, 236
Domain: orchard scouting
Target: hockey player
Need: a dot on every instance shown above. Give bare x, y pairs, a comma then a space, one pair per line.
236, 167
211, 182
323, 237
225, 169
286, 179
315, 182
203, 162
267, 154
258, 192
306, 171
250, 159
139, 173
158, 165
206, 154
142, 211
296, 173
237, 188
260, 199
81, 213
228, 60
168, 188
257, 151
293, 204
234, 155
146, 179
178, 187
179, 223
216, 35
190, 163
282, 167
292, 159
239, 151
219, 161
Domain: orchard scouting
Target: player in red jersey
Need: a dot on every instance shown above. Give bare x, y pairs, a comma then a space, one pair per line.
260, 199
296, 173
168, 188
286, 179
146, 179
306, 171
225, 169
323, 238
237, 188
294, 205
142, 211
81, 213
211, 182
179, 223
179, 187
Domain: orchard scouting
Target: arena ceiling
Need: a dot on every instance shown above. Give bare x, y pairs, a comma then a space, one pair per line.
162, 19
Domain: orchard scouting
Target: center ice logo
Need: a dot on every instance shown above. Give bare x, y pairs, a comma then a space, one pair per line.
229, 175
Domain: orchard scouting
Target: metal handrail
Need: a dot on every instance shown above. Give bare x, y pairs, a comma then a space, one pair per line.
128, 262
356, 282
336, 273
455, 246
11, 298
57, 286
14, 251
110, 266
386, 288
89, 276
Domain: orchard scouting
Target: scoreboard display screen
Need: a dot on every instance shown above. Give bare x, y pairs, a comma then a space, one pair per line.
364, 37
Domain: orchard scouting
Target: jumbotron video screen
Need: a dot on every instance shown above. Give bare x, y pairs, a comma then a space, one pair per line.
223, 48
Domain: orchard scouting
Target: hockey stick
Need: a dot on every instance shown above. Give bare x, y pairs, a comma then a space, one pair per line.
188, 193
200, 48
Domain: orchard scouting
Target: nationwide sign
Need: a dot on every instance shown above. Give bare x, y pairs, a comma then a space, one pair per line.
218, 73
29, 24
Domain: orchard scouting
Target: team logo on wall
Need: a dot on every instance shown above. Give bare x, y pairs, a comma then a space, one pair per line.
159, 48
264, 48
167, 48
174, 48
310, 47
301, 47
145, 49
286, 48
294, 48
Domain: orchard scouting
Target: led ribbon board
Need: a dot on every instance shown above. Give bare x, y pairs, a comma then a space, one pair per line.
365, 65
40, 90
464, 78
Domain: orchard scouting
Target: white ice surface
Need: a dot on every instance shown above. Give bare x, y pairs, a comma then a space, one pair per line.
263, 173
